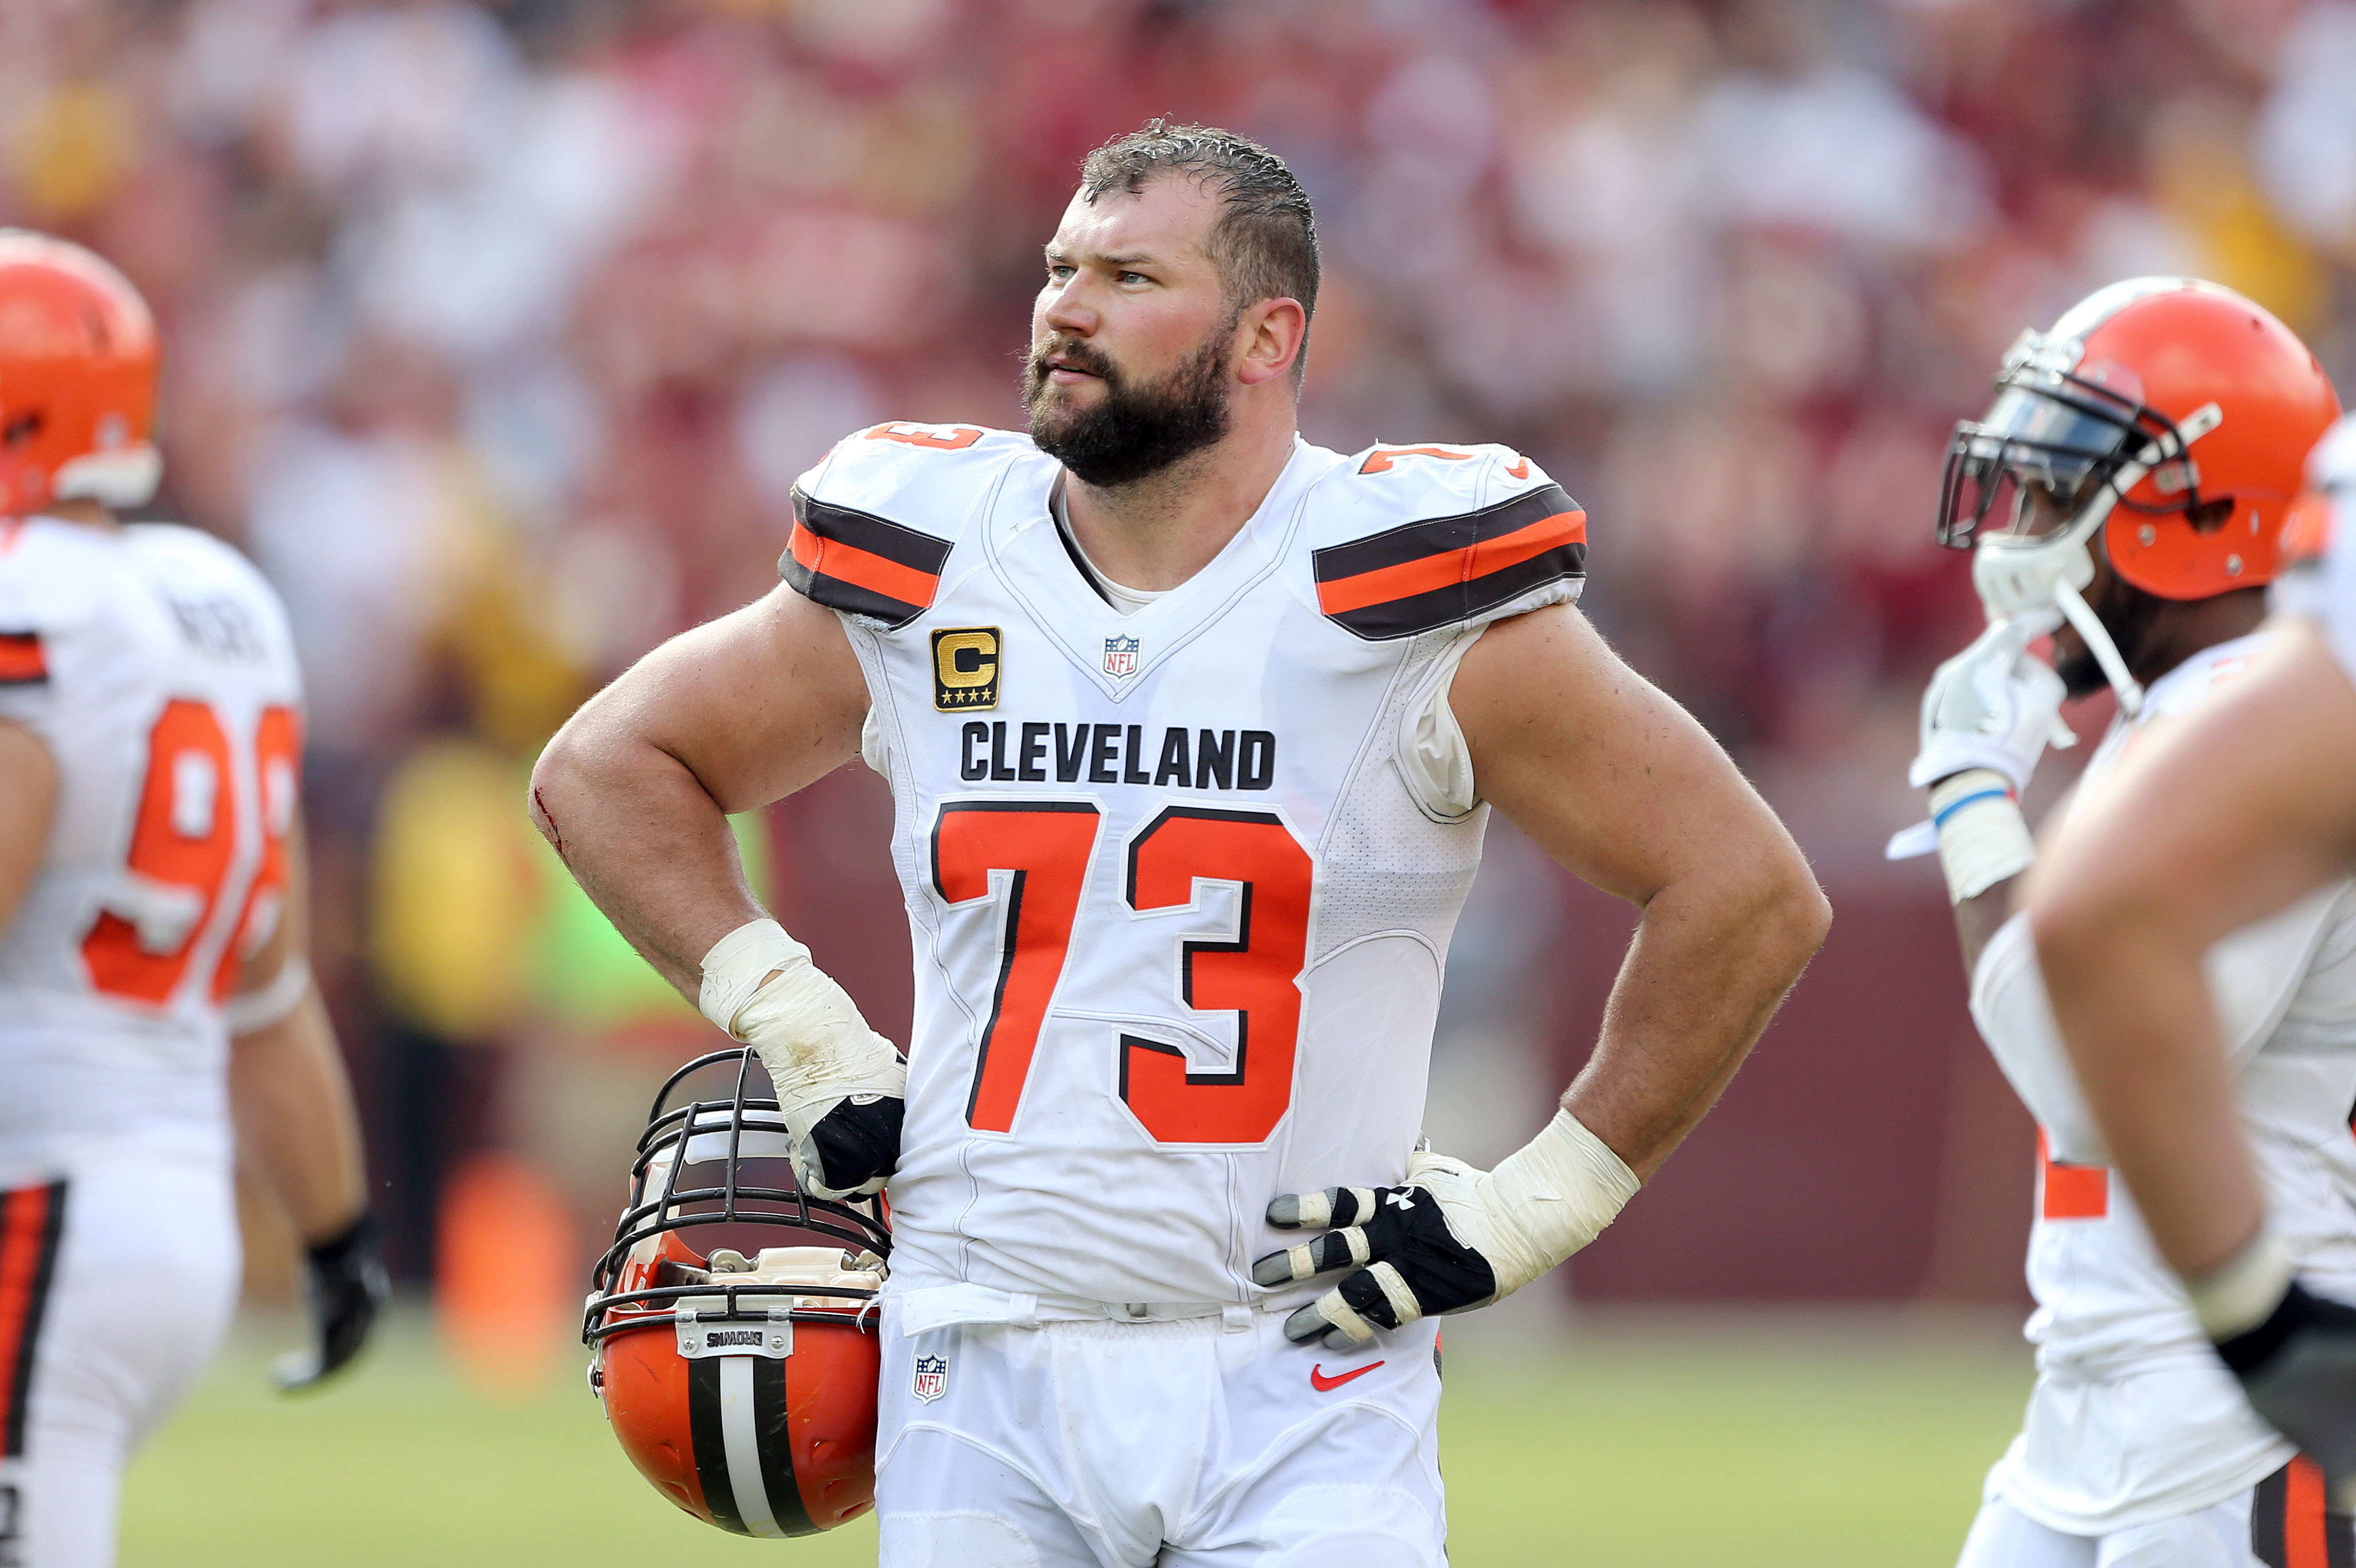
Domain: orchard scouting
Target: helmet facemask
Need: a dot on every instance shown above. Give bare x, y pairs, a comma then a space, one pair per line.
733, 1324
2060, 448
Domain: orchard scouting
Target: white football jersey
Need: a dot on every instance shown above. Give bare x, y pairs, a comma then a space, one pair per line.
1179, 919
154, 663
2133, 1419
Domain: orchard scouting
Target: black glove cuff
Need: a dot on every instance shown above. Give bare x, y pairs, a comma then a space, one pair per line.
353, 1243
857, 1143
2247, 1351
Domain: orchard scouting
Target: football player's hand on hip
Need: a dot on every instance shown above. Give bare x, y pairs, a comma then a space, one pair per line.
2294, 1352
1992, 705
1447, 1239
841, 1088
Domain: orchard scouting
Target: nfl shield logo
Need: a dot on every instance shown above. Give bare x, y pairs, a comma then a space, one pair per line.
932, 1377
1120, 656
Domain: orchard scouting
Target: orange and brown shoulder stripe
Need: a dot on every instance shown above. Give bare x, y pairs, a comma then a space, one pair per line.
1428, 574
861, 564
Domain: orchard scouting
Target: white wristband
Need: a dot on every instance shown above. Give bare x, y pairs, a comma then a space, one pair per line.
2238, 1295
737, 965
1553, 1196
259, 1009
1982, 839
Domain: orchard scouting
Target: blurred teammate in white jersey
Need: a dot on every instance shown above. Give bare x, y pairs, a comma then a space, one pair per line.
2126, 492
1192, 728
2248, 809
157, 1013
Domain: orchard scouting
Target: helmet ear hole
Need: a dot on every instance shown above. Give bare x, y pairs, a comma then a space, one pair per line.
2211, 514
22, 429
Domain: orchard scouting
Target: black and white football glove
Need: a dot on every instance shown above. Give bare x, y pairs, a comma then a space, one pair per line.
841, 1088
347, 1285
2299, 1368
1449, 1238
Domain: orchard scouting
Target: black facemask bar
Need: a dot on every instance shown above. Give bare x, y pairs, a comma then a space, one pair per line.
672, 1142
2084, 434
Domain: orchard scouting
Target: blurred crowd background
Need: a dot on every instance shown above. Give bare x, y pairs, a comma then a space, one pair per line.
498, 332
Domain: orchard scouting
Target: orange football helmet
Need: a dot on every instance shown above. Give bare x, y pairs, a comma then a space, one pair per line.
741, 1379
78, 361
2173, 415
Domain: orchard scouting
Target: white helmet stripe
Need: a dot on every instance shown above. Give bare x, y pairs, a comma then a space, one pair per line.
741, 1432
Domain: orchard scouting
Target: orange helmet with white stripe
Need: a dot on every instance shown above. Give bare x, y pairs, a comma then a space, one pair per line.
733, 1328
2169, 414
77, 362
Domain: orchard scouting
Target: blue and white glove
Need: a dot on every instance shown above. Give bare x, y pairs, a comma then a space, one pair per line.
1994, 707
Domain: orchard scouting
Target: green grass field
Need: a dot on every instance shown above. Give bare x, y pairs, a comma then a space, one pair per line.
1763, 1440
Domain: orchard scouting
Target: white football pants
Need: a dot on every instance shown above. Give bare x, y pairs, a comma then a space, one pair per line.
117, 1282
2281, 1523
1193, 1444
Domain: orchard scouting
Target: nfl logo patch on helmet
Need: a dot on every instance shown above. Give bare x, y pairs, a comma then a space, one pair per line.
932, 1378
1120, 656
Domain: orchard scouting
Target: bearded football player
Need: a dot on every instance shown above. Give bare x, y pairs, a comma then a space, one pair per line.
1193, 730
2244, 815
2126, 492
157, 1016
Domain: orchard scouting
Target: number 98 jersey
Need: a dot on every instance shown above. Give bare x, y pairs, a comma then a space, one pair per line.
1179, 918
154, 665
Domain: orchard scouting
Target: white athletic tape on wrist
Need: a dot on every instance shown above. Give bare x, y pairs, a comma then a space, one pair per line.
737, 965
2237, 1296
1548, 1199
805, 1029
1982, 839
271, 1004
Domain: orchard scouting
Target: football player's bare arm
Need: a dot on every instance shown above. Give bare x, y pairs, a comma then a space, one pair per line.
2228, 816
635, 791
2233, 815
1621, 785
1624, 788
292, 1104
28, 800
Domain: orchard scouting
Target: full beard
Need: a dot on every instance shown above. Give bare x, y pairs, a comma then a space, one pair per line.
1136, 431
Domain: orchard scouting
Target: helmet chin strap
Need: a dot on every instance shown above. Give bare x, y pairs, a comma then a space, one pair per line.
2021, 580
2098, 641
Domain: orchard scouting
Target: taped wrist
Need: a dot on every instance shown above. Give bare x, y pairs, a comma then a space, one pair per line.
738, 964
1551, 1197
760, 985
2243, 1292
1982, 839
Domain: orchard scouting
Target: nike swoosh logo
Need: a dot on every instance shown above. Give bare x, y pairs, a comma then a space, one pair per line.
1323, 1384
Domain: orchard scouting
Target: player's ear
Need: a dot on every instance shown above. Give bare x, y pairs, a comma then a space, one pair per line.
1269, 337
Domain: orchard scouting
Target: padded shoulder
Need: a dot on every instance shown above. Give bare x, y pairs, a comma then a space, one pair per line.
874, 522
1407, 540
